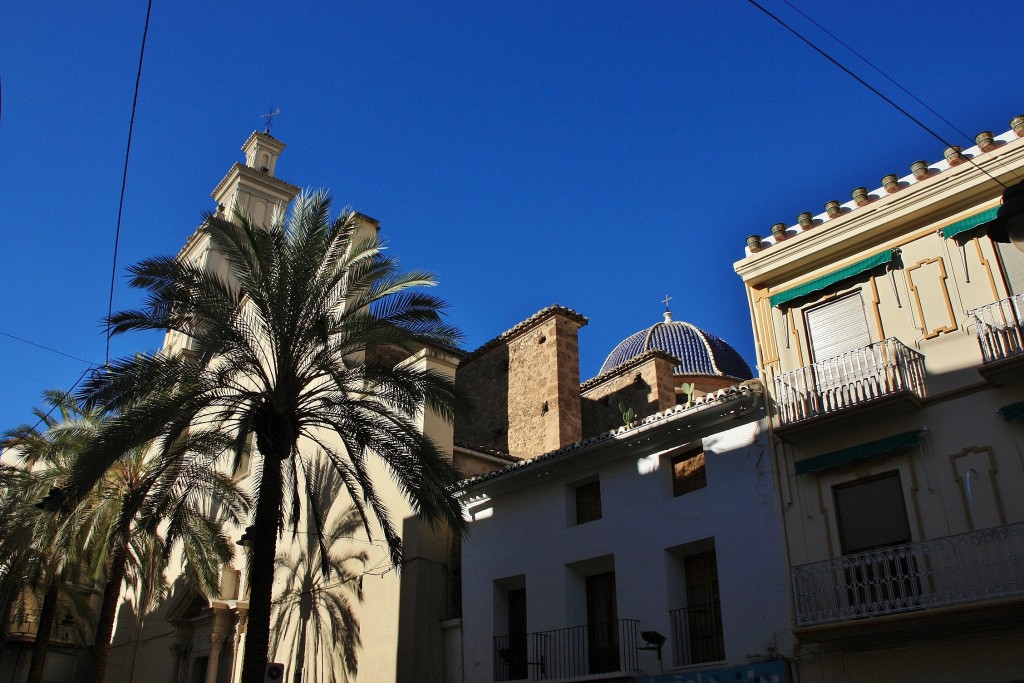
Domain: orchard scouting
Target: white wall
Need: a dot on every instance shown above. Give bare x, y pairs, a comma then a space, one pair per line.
528, 532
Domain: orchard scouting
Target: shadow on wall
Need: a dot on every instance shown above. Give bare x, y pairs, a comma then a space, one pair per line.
424, 601
603, 414
485, 380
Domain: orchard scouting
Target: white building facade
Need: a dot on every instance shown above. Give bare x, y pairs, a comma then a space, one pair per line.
669, 526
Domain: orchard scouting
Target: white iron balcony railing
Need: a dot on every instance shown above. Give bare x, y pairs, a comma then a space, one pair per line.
952, 570
880, 369
998, 328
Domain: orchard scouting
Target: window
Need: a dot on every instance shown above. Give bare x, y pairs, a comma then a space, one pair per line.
588, 501
510, 661
871, 514
688, 473
1013, 266
836, 327
602, 623
697, 635
241, 464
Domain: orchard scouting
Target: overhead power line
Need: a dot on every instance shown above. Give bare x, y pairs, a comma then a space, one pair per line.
878, 69
124, 176
867, 85
46, 348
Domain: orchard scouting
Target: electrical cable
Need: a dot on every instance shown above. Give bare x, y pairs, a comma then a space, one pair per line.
124, 176
872, 65
62, 399
47, 348
868, 86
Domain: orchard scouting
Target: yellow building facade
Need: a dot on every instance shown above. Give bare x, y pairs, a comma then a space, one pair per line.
888, 334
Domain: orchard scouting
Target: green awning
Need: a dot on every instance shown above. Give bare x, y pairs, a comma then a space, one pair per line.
1012, 412
872, 449
969, 223
825, 281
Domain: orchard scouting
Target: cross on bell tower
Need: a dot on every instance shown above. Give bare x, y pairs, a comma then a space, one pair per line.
269, 117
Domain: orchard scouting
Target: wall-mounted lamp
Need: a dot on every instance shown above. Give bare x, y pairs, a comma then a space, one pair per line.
246, 540
654, 641
1008, 225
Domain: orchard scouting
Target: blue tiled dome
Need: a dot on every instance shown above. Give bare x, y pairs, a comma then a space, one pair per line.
701, 353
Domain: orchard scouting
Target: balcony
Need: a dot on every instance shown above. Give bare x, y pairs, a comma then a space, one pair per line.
884, 375
697, 634
596, 651
949, 571
998, 329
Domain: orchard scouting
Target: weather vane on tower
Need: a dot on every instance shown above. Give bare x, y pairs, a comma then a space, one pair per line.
269, 117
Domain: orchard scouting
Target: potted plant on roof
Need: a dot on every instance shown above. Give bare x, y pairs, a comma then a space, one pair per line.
1017, 124
985, 140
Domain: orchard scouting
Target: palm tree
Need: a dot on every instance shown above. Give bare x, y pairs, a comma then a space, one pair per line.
314, 620
144, 510
283, 348
56, 550
16, 545
129, 522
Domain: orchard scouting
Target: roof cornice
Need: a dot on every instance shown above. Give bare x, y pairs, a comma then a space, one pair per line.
712, 410
953, 191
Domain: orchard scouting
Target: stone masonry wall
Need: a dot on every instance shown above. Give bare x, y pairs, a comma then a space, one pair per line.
526, 388
647, 388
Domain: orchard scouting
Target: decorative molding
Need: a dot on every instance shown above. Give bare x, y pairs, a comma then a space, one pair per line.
988, 269
914, 290
874, 307
992, 471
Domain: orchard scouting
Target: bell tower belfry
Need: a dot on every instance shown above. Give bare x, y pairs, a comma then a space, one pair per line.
251, 188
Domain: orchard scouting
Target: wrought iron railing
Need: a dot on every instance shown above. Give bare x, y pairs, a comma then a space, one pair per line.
951, 570
510, 658
697, 634
609, 647
998, 328
853, 378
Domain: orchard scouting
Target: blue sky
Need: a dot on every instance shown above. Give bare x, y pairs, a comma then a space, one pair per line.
592, 154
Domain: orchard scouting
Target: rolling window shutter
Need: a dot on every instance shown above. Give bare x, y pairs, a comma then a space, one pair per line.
837, 327
1013, 266
871, 513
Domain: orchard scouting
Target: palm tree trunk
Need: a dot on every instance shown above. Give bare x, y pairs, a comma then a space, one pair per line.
108, 609
5, 618
47, 615
261, 575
